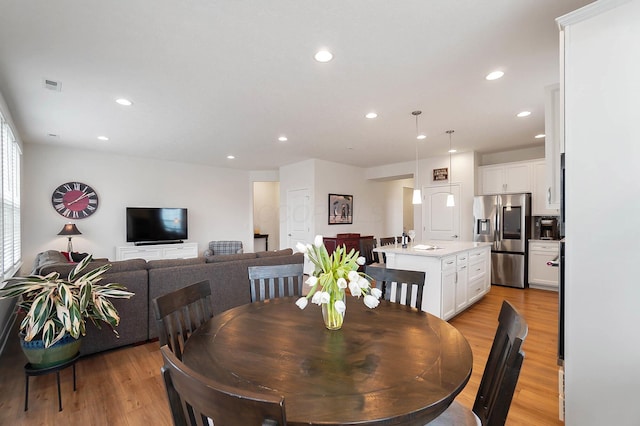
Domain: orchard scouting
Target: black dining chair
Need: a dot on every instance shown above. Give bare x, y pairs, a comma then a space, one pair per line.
385, 278
271, 281
386, 241
499, 378
195, 399
366, 250
180, 313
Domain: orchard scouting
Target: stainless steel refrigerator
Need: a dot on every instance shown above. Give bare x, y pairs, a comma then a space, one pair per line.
505, 221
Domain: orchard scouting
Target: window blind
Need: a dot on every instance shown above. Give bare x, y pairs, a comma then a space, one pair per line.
11, 249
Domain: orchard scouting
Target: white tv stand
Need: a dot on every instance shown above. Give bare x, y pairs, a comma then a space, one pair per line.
158, 251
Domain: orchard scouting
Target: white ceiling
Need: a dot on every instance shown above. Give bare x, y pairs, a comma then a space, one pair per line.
210, 78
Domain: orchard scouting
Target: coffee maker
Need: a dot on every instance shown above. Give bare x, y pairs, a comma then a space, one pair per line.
546, 228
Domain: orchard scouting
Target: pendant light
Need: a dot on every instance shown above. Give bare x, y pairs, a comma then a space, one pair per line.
417, 194
450, 200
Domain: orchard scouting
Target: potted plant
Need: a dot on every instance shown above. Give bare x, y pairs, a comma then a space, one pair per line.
56, 310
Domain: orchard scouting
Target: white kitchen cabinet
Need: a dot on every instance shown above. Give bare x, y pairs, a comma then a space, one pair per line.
462, 274
540, 191
553, 146
158, 251
505, 178
479, 280
542, 275
448, 287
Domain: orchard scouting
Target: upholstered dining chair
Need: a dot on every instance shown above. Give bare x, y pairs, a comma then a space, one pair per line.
223, 247
194, 399
180, 313
385, 278
499, 378
271, 281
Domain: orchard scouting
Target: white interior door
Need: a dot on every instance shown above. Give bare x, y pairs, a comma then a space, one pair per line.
298, 217
439, 221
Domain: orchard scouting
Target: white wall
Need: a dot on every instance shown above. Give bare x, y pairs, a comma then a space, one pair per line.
602, 128
335, 178
523, 154
463, 173
218, 200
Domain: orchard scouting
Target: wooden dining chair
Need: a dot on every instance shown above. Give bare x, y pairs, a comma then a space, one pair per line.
386, 241
180, 313
271, 281
412, 282
366, 250
194, 399
499, 378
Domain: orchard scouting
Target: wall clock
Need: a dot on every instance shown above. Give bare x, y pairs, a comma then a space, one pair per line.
74, 200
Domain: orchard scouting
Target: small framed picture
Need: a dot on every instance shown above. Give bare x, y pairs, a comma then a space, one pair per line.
340, 209
440, 174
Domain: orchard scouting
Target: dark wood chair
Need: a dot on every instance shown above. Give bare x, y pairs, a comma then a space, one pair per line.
366, 250
386, 277
194, 399
387, 241
499, 378
268, 282
180, 313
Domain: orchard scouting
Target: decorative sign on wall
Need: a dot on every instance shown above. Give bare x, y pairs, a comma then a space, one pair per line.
440, 174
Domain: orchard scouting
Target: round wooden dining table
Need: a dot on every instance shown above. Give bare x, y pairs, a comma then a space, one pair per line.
392, 365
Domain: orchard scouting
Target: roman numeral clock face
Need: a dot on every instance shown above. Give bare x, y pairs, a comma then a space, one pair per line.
75, 200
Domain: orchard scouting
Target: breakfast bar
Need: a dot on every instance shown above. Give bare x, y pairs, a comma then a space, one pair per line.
458, 273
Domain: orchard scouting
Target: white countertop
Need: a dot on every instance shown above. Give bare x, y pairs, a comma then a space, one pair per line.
442, 248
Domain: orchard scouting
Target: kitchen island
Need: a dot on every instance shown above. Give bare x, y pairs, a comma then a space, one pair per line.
458, 273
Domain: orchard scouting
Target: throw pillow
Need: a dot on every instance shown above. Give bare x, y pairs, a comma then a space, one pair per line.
77, 257
67, 255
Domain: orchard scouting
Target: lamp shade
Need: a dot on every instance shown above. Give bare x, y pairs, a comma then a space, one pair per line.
70, 229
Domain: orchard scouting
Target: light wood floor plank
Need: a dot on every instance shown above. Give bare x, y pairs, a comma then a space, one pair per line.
123, 387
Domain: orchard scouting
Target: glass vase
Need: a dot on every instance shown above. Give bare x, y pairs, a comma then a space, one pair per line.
332, 317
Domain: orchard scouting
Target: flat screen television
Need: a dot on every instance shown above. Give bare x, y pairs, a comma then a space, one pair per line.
154, 225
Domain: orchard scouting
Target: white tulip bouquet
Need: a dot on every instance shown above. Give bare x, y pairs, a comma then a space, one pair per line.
332, 275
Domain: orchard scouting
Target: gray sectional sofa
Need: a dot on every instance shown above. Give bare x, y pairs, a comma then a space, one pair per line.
227, 275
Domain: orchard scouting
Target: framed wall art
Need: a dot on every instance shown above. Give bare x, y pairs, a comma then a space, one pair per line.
340, 209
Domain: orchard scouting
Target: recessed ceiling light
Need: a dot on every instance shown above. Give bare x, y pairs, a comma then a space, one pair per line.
451, 151
371, 115
125, 102
494, 75
103, 138
421, 136
524, 114
230, 157
323, 56
540, 136
283, 139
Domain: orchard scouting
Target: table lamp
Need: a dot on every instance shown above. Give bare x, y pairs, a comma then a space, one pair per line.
69, 230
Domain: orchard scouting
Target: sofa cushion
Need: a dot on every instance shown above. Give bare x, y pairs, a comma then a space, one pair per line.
229, 257
119, 266
168, 263
283, 252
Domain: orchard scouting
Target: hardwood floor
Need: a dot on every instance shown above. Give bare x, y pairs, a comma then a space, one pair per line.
123, 387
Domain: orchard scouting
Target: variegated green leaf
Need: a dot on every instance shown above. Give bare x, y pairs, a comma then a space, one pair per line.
48, 333
64, 293
63, 315
84, 296
75, 321
79, 267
